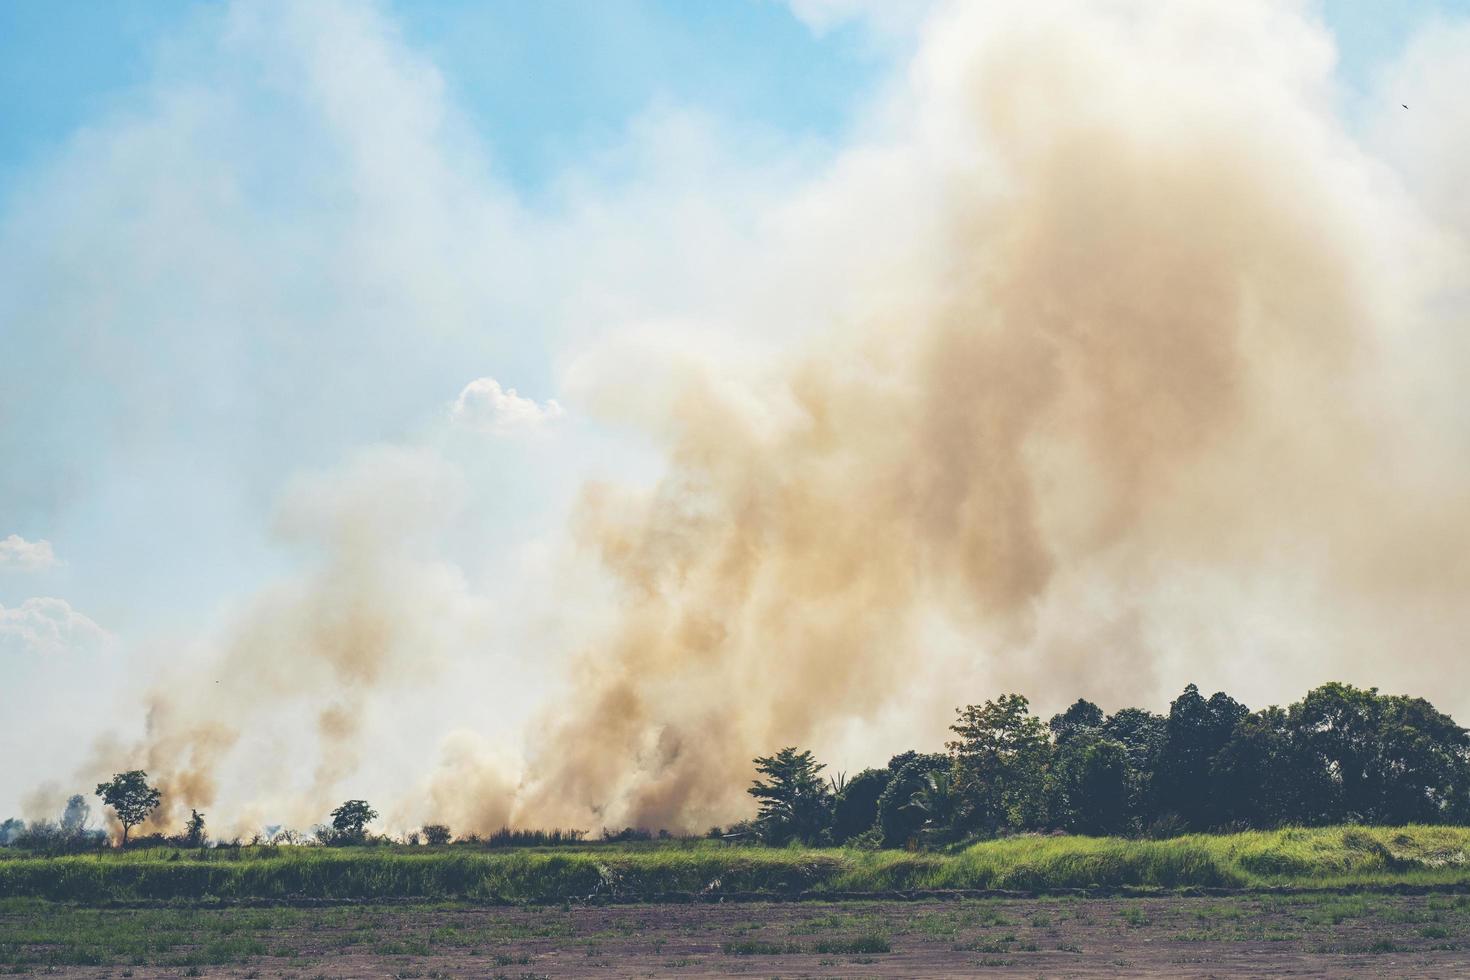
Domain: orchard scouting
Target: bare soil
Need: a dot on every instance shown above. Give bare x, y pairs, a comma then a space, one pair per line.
1253, 936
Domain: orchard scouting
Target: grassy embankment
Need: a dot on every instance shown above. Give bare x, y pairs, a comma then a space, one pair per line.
1320, 857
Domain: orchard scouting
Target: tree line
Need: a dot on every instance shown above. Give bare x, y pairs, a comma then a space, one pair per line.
1341, 754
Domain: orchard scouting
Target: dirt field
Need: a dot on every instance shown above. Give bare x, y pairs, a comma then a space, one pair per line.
1318, 935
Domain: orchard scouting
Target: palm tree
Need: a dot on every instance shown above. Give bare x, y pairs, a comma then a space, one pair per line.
936, 800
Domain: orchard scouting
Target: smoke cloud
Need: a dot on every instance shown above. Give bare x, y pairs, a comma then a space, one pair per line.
296, 670
1158, 384
1154, 364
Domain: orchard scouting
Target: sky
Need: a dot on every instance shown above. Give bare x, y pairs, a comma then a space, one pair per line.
255, 256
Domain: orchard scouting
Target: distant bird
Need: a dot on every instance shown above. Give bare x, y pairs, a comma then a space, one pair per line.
1404, 105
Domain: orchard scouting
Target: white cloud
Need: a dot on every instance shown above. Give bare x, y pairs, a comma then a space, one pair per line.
486, 406
48, 626
28, 556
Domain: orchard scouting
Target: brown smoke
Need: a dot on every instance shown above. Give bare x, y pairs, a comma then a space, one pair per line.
297, 667
1148, 408
1152, 348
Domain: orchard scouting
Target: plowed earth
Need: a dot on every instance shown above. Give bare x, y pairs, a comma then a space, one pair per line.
1300, 935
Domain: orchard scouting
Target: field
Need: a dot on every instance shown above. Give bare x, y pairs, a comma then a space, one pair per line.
1332, 901
1322, 935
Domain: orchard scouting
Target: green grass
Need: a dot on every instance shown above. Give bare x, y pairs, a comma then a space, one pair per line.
1326, 857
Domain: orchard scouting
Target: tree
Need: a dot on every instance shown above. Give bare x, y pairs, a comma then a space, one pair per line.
1426, 764
1265, 777
194, 830
855, 809
936, 802
1088, 786
350, 819
1142, 735
74, 818
1339, 724
1386, 759
899, 822
1000, 759
1082, 718
1196, 729
436, 833
130, 797
795, 801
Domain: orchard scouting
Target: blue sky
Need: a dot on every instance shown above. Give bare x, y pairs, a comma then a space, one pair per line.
243, 246
543, 82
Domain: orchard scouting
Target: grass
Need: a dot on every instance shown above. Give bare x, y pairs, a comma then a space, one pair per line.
1325, 857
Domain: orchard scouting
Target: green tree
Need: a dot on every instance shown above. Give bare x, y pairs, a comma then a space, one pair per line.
899, 822
1000, 758
1426, 764
1196, 729
1082, 718
1142, 735
936, 803
436, 833
1265, 776
1089, 786
855, 809
794, 799
1386, 759
194, 835
350, 820
130, 797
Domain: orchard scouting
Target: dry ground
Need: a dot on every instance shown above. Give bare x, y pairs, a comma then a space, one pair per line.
1314, 935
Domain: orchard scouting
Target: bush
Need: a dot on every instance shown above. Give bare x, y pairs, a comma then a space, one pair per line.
46, 837
625, 835
436, 834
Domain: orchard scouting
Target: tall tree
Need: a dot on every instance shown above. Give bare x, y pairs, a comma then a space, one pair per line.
130, 797
1088, 784
1000, 756
1264, 776
794, 798
1082, 718
1426, 763
1340, 725
1386, 759
1196, 729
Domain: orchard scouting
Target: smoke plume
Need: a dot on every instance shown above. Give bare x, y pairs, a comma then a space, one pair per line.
1150, 358
1159, 386
295, 671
